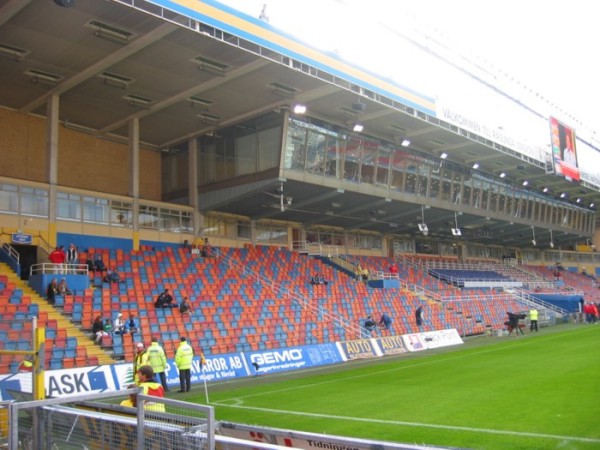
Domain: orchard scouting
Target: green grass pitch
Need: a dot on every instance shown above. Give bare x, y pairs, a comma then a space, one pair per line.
540, 391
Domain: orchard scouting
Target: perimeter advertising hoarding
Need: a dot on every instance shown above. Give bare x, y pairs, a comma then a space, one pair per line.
88, 380
293, 358
564, 150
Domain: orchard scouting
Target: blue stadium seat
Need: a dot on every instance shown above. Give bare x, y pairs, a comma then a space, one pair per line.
56, 364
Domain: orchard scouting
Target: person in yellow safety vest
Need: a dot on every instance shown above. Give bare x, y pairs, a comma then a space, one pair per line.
533, 318
183, 360
150, 387
158, 361
131, 401
140, 359
26, 365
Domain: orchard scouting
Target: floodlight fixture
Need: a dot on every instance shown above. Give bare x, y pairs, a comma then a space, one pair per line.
405, 142
502, 175
444, 155
358, 128
476, 166
299, 109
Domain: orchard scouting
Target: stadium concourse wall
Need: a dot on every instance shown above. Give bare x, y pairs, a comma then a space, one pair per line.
115, 377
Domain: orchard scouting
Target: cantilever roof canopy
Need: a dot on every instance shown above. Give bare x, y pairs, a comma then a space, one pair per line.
181, 78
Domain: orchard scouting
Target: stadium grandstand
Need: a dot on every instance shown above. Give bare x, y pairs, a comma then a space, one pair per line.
193, 148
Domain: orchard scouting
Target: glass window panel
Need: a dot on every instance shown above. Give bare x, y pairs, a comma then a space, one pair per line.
434, 187
9, 199
170, 220
34, 202
269, 148
352, 159
333, 151
315, 152
369, 161
148, 217
411, 183
95, 210
271, 234
121, 213
295, 148
68, 206
244, 231
245, 161
384, 159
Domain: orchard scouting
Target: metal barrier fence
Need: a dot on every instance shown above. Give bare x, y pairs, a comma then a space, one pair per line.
83, 422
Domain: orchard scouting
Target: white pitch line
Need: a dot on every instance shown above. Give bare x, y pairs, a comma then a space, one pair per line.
417, 424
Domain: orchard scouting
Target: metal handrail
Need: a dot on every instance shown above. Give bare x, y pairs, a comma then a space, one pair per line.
301, 301
65, 269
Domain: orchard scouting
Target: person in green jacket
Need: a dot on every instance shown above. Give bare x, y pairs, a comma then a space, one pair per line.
158, 361
183, 360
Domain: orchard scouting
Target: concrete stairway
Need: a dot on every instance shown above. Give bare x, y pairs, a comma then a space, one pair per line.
63, 322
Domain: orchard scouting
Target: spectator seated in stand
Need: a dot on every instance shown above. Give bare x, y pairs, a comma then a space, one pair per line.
185, 307
99, 265
206, 249
112, 276
63, 289
317, 279
165, 300
385, 322
119, 325
52, 291
98, 330
370, 325
131, 325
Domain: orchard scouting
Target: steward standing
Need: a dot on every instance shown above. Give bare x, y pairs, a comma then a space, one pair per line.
158, 361
183, 360
140, 359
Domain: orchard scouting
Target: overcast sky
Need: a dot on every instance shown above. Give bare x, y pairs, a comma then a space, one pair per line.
543, 48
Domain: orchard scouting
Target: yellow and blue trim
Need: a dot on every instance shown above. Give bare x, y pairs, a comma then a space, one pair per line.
232, 21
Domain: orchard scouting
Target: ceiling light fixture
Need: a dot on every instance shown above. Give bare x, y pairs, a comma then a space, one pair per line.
210, 65
405, 142
283, 90
476, 166
502, 175
137, 100
109, 32
40, 76
17, 53
112, 79
551, 240
200, 102
444, 155
358, 128
533, 241
208, 118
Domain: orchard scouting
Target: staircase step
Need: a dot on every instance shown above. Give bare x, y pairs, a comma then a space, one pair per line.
72, 330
